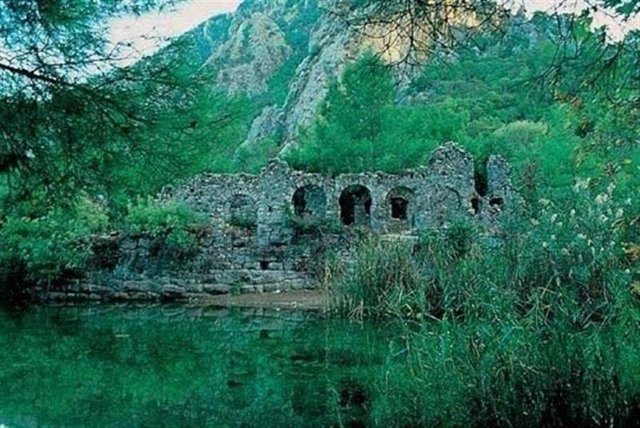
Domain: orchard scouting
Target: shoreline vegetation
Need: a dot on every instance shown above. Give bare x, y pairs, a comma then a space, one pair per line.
537, 328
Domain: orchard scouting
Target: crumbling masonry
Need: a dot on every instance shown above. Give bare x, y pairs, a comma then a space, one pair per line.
252, 242
424, 198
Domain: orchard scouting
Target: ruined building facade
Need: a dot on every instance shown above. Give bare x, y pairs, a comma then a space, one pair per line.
429, 197
252, 241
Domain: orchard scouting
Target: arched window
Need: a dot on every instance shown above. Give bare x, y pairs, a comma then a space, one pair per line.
399, 207
355, 206
399, 200
309, 202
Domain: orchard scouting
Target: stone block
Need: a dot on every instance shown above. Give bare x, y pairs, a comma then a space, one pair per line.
216, 289
173, 292
275, 266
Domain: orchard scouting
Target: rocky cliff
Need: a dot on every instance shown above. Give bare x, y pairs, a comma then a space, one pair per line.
284, 54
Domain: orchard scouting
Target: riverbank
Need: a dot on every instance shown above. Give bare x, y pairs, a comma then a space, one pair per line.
299, 300
315, 300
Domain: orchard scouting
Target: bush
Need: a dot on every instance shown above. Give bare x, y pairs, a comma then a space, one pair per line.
171, 221
384, 279
49, 247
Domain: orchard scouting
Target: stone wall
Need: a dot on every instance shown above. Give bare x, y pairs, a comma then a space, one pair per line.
255, 239
424, 198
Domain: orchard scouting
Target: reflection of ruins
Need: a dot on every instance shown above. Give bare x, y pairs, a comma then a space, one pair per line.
424, 198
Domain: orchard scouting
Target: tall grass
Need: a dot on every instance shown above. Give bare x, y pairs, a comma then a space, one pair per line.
536, 327
512, 373
384, 279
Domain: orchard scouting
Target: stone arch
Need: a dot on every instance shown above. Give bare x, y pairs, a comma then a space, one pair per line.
355, 206
309, 201
243, 211
400, 201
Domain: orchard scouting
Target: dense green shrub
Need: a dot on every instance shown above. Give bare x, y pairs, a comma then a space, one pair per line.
49, 247
57, 245
384, 279
169, 220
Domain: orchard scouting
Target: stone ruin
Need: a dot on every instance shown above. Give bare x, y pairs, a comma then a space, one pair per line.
253, 242
429, 197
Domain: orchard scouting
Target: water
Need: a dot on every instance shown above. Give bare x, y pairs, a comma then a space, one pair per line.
176, 366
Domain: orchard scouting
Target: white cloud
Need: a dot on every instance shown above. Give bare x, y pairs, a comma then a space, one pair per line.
616, 26
149, 32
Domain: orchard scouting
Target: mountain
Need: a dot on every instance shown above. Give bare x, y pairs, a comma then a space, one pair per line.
283, 55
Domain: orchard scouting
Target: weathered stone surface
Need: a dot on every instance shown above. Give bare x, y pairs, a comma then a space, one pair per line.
331, 45
173, 292
96, 290
256, 241
498, 176
194, 287
275, 266
216, 289
254, 52
141, 286
266, 125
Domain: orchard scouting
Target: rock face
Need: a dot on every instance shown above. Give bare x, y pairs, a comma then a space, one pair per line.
311, 41
331, 45
269, 123
255, 50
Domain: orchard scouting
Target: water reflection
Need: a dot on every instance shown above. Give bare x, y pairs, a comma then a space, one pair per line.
177, 366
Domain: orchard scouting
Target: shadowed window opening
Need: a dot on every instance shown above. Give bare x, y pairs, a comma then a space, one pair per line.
400, 205
264, 265
480, 179
309, 201
475, 205
496, 202
355, 206
399, 208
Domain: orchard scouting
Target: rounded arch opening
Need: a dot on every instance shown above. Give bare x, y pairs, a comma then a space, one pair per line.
355, 206
399, 200
309, 201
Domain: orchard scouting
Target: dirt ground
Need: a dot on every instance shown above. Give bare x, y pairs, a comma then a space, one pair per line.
302, 299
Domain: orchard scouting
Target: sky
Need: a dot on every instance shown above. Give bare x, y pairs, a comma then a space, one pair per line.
147, 33
616, 27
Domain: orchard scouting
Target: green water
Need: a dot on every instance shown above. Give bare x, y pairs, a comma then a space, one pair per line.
162, 366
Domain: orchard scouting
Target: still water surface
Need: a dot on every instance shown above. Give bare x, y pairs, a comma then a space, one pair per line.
176, 366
